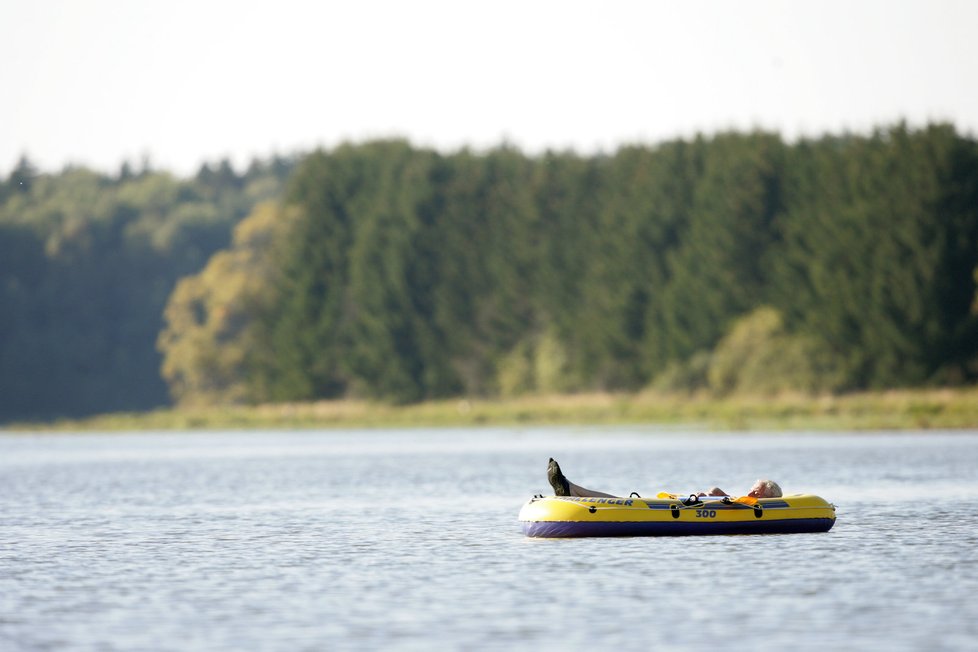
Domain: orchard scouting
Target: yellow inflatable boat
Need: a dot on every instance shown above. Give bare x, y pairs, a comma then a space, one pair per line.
671, 515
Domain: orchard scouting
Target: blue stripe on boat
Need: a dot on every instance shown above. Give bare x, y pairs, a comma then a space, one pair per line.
645, 528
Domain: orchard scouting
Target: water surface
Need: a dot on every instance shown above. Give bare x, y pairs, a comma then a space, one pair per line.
408, 539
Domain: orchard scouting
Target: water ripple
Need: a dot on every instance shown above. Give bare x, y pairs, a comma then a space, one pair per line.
306, 541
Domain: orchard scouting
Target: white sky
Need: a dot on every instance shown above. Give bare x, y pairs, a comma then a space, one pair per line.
96, 82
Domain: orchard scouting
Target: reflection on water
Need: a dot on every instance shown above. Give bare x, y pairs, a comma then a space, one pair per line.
408, 539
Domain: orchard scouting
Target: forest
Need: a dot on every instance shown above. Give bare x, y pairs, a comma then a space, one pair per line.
87, 263
729, 263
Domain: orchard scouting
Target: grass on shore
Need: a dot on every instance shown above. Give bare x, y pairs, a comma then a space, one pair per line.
904, 409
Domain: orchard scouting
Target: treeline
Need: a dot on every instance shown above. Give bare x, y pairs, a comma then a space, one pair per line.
730, 263
87, 262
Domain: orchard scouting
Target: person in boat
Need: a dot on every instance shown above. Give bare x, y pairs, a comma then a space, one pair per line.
564, 487
761, 489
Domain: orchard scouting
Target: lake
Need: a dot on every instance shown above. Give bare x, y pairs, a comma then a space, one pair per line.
408, 540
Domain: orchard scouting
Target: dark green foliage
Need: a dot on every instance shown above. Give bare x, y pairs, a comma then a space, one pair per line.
735, 263
418, 275
880, 252
487, 263
642, 220
87, 262
717, 272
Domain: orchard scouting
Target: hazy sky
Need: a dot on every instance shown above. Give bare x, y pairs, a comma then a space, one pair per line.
96, 82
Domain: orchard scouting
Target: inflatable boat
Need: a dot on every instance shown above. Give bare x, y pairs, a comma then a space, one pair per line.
671, 515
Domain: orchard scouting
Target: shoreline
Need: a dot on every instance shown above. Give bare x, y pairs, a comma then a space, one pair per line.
919, 409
